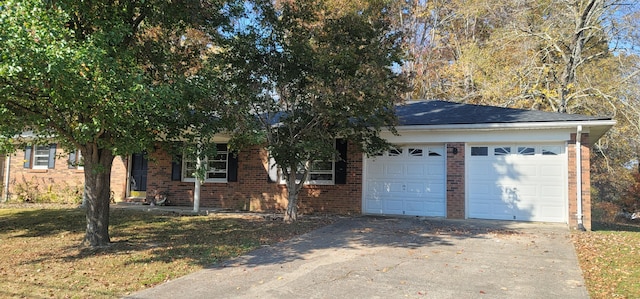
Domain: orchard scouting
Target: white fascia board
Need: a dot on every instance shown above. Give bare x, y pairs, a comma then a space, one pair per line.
496, 132
506, 126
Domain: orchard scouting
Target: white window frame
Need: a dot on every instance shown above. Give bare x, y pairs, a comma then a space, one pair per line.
210, 170
312, 172
35, 156
310, 181
77, 162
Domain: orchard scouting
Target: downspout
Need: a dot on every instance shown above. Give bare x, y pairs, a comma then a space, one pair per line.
579, 177
7, 164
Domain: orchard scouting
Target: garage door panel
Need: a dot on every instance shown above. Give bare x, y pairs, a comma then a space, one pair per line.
437, 189
548, 213
414, 207
525, 171
416, 170
374, 205
551, 170
416, 188
480, 170
376, 170
393, 188
412, 182
520, 185
478, 189
393, 205
550, 192
394, 169
436, 170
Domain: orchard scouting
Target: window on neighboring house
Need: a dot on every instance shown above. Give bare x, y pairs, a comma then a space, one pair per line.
75, 160
40, 156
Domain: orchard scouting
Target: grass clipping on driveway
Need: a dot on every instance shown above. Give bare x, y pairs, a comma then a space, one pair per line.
610, 260
41, 256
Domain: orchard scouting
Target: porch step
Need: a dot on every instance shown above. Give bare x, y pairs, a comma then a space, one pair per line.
135, 200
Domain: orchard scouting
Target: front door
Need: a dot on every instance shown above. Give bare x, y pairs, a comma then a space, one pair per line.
138, 179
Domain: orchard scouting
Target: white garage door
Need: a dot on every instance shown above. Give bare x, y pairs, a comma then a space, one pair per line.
517, 182
409, 180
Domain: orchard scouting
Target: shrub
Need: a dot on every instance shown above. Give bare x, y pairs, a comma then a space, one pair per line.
41, 191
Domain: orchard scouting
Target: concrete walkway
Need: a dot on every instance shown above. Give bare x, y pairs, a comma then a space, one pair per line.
378, 257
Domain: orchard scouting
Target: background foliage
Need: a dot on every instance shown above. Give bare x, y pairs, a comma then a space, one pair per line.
574, 56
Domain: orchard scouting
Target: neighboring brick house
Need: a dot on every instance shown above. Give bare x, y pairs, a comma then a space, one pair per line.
49, 171
452, 160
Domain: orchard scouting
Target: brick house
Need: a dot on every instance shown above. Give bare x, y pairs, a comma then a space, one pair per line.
49, 171
452, 160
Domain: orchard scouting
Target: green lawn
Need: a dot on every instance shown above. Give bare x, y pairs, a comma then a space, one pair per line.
41, 256
610, 259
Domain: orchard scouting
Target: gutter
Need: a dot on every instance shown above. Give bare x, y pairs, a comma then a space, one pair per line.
579, 177
523, 125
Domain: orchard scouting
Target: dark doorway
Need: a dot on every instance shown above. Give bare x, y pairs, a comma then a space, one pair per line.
139, 165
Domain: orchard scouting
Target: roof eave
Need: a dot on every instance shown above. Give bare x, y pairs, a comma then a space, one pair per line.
597, 128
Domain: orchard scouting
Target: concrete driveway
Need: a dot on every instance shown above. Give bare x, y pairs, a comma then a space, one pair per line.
379, 257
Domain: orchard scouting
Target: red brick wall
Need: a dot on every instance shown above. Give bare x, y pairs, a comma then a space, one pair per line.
119, 178
586, 181
455, 180
61, 178
253, 192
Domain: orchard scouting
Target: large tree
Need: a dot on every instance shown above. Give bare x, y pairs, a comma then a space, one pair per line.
315, 74
105, 77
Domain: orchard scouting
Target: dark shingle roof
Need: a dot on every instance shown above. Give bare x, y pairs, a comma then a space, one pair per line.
436, 112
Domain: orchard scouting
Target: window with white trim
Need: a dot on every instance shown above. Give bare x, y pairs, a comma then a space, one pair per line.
526, 151
40, 156
501, 151
436, 151
76, 160
415, 152
332, 172
216, 167
395, 152
551, 150
320, 173
479, 151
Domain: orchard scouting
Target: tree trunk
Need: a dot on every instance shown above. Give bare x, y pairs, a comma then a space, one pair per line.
291, 214
97, 175
197, 184
292, 198
293, 189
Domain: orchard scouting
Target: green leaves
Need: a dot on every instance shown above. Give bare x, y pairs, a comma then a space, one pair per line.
312, 74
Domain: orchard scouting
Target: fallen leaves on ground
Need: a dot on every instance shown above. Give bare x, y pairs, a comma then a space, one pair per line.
609, 260
42, 256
